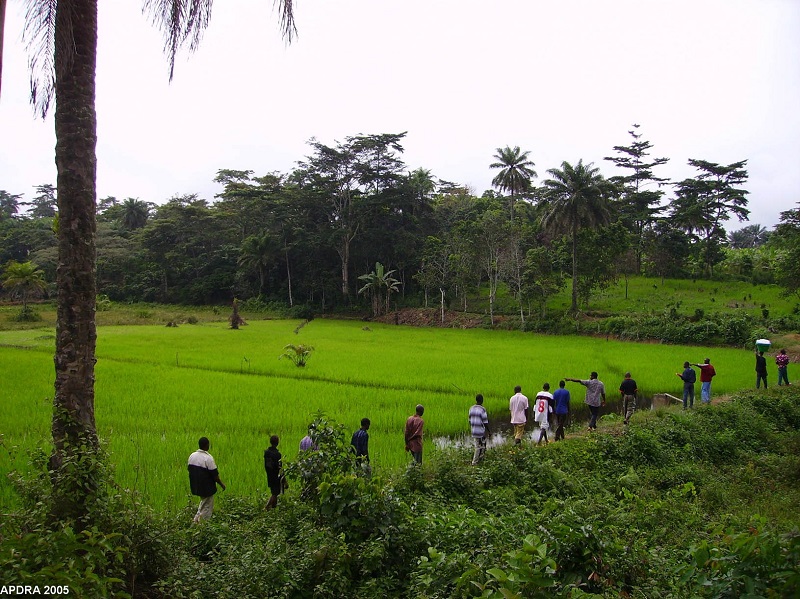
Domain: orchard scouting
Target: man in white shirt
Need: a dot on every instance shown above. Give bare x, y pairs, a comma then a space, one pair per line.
518, 404
203, 479
542, 411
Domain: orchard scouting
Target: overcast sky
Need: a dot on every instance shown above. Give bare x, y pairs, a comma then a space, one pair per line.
717, 80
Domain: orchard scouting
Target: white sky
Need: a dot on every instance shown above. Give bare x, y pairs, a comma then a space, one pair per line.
717, 80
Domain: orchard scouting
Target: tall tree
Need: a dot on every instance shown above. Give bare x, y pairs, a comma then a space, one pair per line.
493, 251
350, 178
9, 204
787, 241
542, 277
436, 270
704, 203
63, 37
577, 197
43, 204
640, 205
667, 248
516, 172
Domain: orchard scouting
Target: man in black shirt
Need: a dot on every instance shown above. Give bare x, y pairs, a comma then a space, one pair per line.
628, 390
761, 369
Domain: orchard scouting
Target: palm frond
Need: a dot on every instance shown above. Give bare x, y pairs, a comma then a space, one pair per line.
288, 28
40, 41
179, 21
183, 22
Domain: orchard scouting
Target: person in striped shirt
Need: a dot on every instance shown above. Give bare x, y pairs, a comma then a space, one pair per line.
478, 422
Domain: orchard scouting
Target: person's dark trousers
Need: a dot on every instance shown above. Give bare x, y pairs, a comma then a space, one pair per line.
561, 420
782, 376
688, 396
594, 411
759, 378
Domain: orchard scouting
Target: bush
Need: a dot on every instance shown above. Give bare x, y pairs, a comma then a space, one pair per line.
750, 563
27, 314
120, 547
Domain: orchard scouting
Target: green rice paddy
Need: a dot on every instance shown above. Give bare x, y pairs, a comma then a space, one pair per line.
159, 389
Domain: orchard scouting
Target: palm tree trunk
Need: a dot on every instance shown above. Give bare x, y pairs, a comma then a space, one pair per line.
574, 307
262, 279
74, 433
2, 28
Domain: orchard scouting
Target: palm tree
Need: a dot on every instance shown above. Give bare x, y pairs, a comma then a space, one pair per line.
64, 45
25, 280
577, 197
135, 213
515, 174
422, 184
377, 283
751, 236
258, 254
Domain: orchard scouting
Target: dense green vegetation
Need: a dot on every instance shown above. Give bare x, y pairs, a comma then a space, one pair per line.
309, 237
682, 504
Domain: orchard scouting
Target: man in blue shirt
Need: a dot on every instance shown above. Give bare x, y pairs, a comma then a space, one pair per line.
560, 409
360, 443
689, 377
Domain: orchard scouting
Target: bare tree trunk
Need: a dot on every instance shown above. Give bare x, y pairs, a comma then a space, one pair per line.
344, 255
574, 306
74, 435
441, 291
289, 277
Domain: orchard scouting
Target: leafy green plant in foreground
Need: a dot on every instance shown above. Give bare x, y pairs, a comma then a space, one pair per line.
751, 563
299, 354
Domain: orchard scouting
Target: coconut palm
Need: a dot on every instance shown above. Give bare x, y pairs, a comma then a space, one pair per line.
63, 39
24, 280
577, 197
515, 174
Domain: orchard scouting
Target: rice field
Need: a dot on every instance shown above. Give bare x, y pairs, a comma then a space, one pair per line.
159, 389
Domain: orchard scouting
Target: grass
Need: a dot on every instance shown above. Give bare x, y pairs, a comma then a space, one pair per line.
647, 295
159, 389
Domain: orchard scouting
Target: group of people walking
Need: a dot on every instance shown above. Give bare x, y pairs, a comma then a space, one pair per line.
204, 474
550, 410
